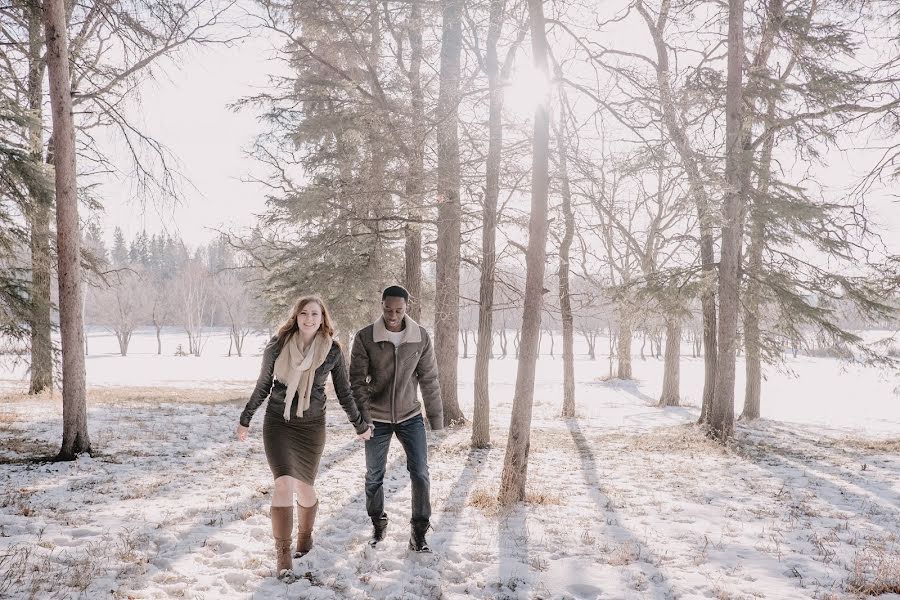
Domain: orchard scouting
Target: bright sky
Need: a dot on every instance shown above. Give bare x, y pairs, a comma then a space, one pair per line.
186, 109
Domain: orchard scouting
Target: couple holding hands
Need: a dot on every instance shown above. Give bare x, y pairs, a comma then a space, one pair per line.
389, 359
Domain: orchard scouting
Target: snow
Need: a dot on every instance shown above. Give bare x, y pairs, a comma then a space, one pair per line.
626, 501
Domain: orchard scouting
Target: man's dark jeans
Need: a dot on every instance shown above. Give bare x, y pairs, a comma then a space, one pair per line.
411, 434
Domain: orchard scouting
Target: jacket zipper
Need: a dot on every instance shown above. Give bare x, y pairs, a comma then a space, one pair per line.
394, 384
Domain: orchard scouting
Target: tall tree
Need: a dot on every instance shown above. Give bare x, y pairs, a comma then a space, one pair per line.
722, 416
75, 433
39, 212
515, 464
496, 75
446, 304
802, 58
415, 181
675, 119
565, 245
333, 121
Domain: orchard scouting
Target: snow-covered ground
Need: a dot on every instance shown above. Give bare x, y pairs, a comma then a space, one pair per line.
626, 501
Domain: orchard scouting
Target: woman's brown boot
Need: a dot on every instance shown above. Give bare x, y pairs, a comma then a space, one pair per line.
304, 528
282, 524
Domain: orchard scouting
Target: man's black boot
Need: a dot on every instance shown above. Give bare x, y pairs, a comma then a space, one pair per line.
379, 526
417, 541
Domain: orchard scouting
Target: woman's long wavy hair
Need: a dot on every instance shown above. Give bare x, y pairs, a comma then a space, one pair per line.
289, 327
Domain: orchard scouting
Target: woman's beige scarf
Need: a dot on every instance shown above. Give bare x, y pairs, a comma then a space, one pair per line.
298, 371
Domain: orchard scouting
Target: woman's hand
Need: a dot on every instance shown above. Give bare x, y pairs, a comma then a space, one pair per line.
367, 434
241, 433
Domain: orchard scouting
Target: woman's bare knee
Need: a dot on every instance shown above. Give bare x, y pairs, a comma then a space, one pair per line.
306, 494
284, 491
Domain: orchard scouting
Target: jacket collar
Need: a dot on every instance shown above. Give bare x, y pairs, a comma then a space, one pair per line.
411, 333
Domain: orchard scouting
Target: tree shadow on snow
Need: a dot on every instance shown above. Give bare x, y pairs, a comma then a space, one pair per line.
859, 485
659, 585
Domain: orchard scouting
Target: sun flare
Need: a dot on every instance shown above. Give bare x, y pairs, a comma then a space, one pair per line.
527, 88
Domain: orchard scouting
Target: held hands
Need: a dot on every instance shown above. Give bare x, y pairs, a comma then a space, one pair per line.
241, 433
367, 434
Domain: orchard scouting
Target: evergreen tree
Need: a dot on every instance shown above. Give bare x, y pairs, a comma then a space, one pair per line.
18, 176
119, 253
337, 232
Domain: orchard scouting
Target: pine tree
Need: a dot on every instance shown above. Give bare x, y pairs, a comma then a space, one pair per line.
119, 253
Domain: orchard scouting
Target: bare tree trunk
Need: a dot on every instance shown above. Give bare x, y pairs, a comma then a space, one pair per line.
86, 336
611, 350
481, 430
39, 216
565, 245
671, 393
624, 350
515, 464
753, 388
753, 366
345, 338
41, 305
123, 337
239, 342
710, 342
446, 309
722, 416
75, 433
413, 272
416, 177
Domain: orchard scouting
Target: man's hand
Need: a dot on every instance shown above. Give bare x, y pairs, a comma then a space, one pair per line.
367, 434
241, 433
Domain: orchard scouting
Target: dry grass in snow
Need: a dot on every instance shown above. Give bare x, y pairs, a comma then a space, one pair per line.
171, 507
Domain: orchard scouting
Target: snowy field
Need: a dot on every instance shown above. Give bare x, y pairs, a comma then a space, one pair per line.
626, 501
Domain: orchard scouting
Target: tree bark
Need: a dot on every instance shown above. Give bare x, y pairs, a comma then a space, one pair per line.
624, 350
39, 216
416, 175
722, 415
515, 465
671, 394
708, 307
446, 309
754, 274
481, 414
565, 245
753, 389
591, 340
753, 366
75, 433
238, 341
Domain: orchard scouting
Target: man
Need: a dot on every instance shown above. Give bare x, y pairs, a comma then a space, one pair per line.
390, 359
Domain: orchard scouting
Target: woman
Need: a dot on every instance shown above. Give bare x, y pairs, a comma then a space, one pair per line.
296, 363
